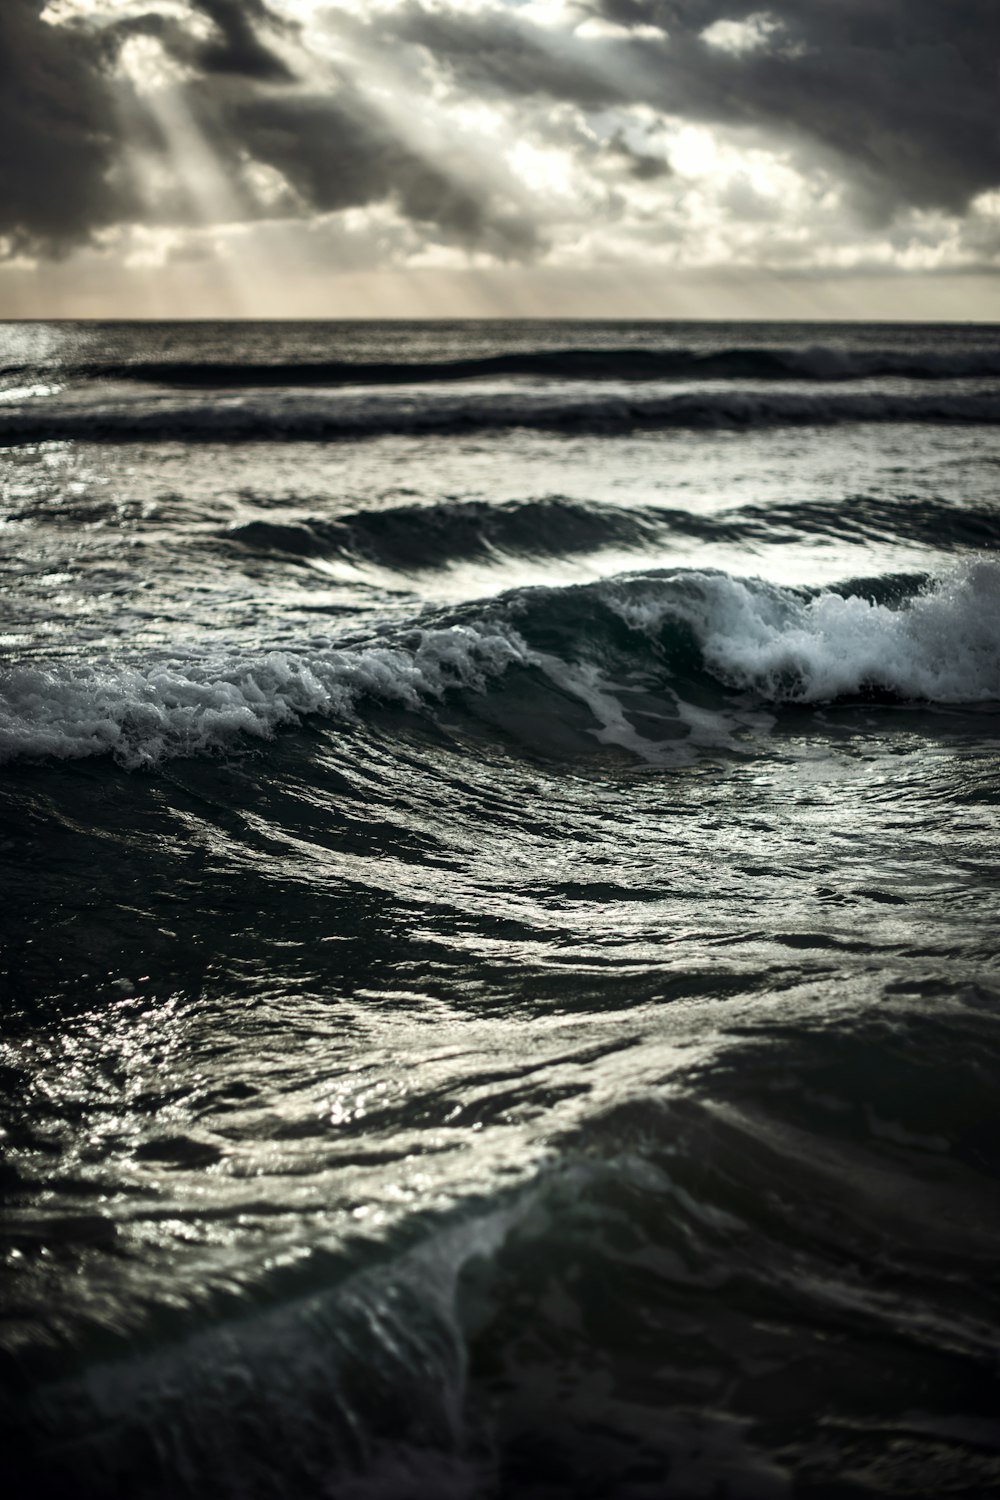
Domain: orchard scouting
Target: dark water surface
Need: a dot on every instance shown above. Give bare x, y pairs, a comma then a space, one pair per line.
498, 841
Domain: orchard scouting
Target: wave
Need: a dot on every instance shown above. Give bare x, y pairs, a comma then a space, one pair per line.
818, 362
931, 641
683, 1240
655, 664
420, 536
431, 536
936, 523
299, 419
144, 714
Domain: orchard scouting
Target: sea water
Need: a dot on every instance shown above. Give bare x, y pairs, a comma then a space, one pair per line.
498, 829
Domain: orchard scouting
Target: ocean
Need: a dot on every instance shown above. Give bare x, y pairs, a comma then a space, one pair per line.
501, 907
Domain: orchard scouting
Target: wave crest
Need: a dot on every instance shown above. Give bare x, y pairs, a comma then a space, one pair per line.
642, 661
941, 644
144, 714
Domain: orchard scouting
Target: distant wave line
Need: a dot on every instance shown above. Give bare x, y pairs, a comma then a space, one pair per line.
600, 416
817, 363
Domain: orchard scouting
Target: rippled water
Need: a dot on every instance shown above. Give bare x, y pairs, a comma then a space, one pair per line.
498, 828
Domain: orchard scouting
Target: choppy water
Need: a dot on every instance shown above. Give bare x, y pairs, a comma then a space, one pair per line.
498, 834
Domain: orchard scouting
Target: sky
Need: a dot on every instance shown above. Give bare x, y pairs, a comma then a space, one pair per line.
483, 158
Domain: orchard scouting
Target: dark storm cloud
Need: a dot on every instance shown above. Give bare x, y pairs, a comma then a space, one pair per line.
64, 128
235, 46
57, 133
338, 152
496, 51
902, 93
896, 97
643, 165
334, 147
900, 96
239, 48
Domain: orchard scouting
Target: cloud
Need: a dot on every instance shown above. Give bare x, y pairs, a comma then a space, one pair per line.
496, 51
57, 178
309, 121
568, 132
238, 47
900, 94
646, 166
339, 152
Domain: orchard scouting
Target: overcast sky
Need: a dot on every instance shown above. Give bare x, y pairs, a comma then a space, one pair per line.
824, 158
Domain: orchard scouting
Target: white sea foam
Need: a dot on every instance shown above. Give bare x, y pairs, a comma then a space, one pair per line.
941, 645
142, 715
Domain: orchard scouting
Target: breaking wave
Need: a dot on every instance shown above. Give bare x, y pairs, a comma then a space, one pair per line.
939, 644
144, 714
643, 658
